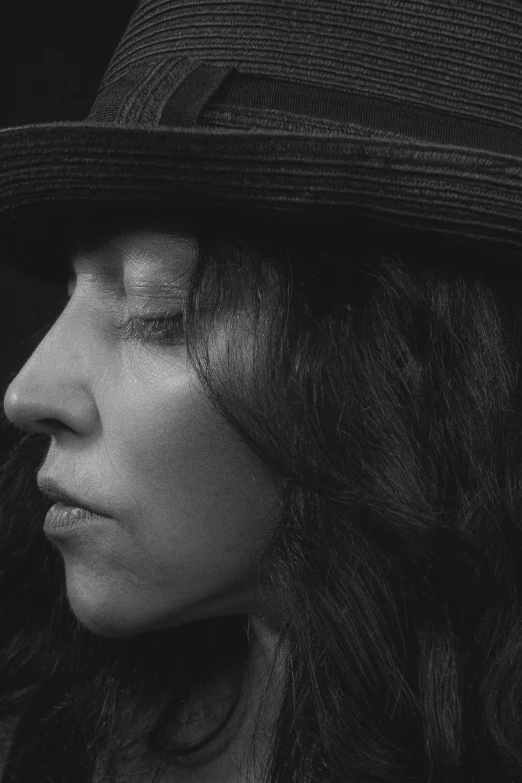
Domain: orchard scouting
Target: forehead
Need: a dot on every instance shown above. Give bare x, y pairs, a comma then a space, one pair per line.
129, 245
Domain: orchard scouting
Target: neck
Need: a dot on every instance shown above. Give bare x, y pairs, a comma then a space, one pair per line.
254, 716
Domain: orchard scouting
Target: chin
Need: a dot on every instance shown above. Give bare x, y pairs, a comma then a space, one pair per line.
99, 611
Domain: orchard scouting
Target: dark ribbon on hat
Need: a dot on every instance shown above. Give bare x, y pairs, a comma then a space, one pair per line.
178, 93
187, 102
214, 88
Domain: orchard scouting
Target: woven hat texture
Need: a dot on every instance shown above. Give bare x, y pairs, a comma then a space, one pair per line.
404, 111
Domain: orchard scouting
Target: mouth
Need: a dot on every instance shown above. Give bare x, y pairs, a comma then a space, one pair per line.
54, 492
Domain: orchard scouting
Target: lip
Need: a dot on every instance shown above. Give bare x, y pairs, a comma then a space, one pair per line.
61, 520
52, 490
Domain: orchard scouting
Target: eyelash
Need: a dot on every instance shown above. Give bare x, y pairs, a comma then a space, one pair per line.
143, 329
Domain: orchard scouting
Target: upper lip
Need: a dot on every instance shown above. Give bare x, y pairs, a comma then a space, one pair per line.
51, 489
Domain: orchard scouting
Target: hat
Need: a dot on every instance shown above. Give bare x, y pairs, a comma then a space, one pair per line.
407, 112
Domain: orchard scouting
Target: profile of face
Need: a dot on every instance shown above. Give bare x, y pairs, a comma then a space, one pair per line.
132, 433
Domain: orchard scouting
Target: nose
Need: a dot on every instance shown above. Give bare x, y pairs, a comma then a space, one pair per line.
50, 392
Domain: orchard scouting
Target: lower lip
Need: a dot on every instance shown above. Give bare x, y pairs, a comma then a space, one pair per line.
62, 519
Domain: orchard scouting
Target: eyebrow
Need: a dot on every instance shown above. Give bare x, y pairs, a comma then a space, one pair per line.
90, 242
176, 285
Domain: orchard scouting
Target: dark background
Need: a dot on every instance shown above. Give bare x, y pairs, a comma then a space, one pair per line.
53, 54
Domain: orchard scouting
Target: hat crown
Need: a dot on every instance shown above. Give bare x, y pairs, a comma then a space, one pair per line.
404, 111
460, 57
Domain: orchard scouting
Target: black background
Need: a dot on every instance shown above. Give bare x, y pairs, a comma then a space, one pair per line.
52, 57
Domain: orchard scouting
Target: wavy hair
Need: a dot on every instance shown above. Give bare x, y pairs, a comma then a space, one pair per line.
384, 363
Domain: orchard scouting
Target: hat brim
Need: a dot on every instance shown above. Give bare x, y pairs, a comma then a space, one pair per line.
464, 194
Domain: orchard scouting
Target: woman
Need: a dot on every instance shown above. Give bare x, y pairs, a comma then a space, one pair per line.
282, 378
172, 457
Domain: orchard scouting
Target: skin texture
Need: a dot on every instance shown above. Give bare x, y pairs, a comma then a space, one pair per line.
132, 433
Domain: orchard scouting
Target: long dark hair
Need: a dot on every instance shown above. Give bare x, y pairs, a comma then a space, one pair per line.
383, 366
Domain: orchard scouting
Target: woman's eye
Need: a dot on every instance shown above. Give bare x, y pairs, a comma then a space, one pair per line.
167, 329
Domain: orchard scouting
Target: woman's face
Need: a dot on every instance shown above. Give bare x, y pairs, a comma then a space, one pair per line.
133, 434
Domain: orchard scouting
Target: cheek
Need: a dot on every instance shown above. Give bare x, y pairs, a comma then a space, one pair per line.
180, 460
193, 507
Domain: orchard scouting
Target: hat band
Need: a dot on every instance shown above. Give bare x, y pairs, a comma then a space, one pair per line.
282, 100
187, 93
